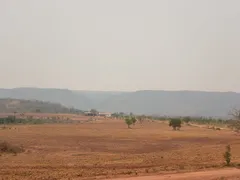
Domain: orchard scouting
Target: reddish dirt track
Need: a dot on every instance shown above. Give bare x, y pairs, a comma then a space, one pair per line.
223, 174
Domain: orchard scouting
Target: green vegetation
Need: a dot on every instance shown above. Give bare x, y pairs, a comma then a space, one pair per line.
175, 123
130, 120
134, 120
227, 155
186, 119
30, 120
118, 115
196, 120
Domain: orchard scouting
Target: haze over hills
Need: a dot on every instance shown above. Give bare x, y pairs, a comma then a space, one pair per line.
22, 106
62, 96
192, 103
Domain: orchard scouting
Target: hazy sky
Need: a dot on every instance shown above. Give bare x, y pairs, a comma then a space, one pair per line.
120, 44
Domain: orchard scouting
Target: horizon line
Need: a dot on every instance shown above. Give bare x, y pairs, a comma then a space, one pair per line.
180, 90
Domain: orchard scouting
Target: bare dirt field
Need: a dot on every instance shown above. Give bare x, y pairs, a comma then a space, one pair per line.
108, 149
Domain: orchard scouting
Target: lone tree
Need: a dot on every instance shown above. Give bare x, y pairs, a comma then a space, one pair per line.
175, 123
128, 121
235, 123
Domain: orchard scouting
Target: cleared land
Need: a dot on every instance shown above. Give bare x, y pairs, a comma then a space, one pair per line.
107, 149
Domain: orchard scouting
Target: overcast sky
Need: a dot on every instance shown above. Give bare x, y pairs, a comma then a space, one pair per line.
120, 44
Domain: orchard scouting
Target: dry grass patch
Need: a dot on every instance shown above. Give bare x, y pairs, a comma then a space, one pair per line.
6, 147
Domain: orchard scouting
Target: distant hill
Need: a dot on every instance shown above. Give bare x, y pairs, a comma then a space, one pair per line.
97, 98
62, 96
22, 106
181, 103
192, 103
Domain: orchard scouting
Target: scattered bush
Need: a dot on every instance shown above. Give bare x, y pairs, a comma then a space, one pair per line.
129, 172
227, 155
134, 120
5, 147
235, 122
141, 119
175, 123
130, 120
186, 119
235, 125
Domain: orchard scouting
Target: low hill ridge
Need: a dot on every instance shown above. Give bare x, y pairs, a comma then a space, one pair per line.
192, 103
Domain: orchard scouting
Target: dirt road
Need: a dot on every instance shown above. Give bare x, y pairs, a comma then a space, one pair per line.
226, 174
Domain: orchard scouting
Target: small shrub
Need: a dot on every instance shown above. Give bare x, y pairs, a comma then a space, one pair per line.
175, 123
134, 120
186, 119
5, 147
227, 155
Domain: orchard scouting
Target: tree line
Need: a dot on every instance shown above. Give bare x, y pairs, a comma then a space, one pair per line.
176, 122
30, 120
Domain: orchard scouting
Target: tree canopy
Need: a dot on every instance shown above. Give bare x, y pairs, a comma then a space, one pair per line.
175, 123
